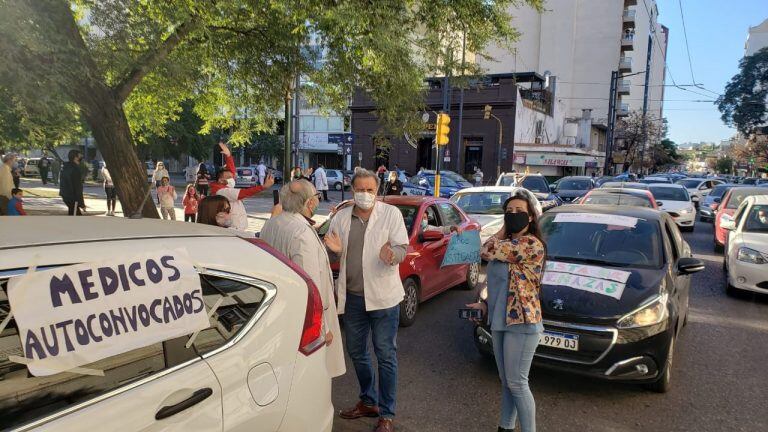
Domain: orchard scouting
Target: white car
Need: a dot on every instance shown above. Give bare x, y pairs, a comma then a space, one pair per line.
674, 199
260, 366
746, 255
484, 205
698, 188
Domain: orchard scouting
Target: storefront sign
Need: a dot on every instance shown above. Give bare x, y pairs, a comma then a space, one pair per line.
520, 158
317, 141
555, 159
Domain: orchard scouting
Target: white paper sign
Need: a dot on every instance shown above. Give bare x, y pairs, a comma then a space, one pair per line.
75, 315
594, 279
597, 218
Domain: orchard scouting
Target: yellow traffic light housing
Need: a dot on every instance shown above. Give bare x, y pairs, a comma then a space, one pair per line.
443, 130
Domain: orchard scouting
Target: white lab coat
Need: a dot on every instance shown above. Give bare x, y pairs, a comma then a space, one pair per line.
292, 235
383, 287
321, 181
261, 170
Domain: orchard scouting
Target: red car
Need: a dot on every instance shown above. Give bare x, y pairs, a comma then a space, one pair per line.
727, 208
620, 196
420, 271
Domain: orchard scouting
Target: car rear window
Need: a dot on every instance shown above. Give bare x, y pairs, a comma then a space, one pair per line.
481, 202
739, 195
617, 199
574, 185
605, 243
669, 194
757, 219
535, 184
719, 190
689, 184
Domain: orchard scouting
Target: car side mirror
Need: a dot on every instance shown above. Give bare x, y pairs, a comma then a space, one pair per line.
553, 188
659, 203
727, 223
428, 236
686, 266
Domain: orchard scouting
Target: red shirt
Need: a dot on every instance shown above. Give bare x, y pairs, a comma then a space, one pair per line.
244, 193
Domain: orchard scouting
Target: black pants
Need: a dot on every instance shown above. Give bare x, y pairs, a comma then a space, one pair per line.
189, 217
325, 195
202, 190
111, 197
16, 182
71, 208
44, 175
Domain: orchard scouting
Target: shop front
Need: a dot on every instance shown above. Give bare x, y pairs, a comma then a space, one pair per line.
315, 148
557, 164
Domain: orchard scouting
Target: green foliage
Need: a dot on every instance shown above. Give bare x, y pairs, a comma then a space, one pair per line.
743, 104
181, 135
724, 165
265, 146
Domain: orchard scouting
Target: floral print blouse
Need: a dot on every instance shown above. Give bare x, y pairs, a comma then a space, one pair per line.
525, 256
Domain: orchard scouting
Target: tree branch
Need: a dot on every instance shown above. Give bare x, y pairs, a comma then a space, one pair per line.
151, 59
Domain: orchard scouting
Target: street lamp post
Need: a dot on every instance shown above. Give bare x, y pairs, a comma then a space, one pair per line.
487, 115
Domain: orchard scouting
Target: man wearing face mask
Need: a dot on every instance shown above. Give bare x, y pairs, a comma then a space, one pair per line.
225, 186
291, 233
370, 239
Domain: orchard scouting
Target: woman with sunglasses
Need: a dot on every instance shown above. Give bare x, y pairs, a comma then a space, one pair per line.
214, 210
515, 258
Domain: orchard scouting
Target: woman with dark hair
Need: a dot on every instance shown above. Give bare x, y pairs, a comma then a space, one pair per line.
515, 258
202, 180
214, 210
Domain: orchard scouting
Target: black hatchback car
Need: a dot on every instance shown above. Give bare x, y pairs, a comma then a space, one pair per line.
570, 188
614, 295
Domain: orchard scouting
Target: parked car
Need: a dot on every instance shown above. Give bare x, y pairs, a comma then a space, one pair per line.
749, 181
698, 188
570, 188
623, 197
426, 183
629, 185
628, 330
30, 167
674, 200
599, 181
708, 207
261, 365
654, 180
746, 261
535, 183
246, 177
728, 205
484, 204
420, 271
456, 177
337, 178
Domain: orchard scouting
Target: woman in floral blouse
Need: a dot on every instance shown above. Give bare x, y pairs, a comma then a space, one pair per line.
515, 258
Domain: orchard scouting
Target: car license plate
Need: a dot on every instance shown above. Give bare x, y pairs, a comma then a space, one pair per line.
560, 340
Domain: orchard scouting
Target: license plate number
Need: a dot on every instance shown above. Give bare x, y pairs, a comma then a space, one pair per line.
560, 340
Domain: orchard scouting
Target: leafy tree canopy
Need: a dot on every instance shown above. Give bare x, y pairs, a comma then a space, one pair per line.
743, 104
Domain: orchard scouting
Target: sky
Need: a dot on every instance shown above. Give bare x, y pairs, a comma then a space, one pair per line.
717, 31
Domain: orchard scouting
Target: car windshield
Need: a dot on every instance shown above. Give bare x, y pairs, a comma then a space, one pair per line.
669, 194
617, 199
650, 180
535, 184
757, 219
719, 191
444, 181
689, 183
507, 180
602, 239
481, 202
737, 196
573, 185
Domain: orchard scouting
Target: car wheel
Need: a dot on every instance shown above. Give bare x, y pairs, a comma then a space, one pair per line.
663, 384
410, 303
337, 186
473, 277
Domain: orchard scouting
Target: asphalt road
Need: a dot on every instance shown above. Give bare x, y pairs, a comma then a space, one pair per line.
720, 381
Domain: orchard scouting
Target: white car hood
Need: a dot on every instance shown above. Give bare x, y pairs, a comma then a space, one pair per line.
485, 219
675, 206
756, 241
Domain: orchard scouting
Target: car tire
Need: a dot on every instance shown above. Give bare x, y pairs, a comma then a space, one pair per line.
687, 229
337, 186
663, 384
473, 277
410, 304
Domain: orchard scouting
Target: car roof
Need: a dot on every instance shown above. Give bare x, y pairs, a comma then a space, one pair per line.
629, 191
509, 189
622, 184
412, 200
637, 212
666, 185
749, 189
19, 232
577, 178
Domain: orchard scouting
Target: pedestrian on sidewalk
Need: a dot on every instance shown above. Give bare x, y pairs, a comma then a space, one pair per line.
6, 181
190, 202
225, 186
16, 171
159, 174
291, 233
370, 240
321, 181
215, 210
16, 204
71, 187
202, 180
478, 177
515, 258
393, 186
109, 191
261, 171
166, 194
55, 169
44, 165
381, 172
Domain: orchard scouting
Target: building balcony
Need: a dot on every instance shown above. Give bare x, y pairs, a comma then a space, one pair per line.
629, 16
625, 64
623, 87
622, 110
630, 3
627, 42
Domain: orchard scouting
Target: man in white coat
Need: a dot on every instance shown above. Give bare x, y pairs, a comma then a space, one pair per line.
261, 170
371, 240
291, 233
321, 181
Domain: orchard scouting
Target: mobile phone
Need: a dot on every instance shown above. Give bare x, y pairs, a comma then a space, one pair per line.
275, 197
467, 313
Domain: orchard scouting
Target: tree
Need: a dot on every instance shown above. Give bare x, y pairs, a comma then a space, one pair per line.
724, 165
265, 146
181, 135
634, 131
128, 64
743, 104
664, 154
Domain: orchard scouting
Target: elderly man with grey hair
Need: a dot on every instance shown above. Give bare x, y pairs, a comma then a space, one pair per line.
371, 240
291, 233
6, 181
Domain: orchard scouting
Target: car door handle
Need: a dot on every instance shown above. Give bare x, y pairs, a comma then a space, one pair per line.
195, 399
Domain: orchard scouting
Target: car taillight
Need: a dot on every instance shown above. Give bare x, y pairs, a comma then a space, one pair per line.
312, 337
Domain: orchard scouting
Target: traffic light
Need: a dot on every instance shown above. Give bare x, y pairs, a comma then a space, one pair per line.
441, 137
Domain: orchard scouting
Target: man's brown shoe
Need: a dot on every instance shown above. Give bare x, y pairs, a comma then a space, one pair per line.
359, 410
385, 425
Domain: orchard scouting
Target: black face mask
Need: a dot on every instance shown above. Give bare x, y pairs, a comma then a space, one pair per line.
515, 222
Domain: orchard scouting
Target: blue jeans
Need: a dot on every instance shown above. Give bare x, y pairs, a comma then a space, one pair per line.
514, 354
383, 324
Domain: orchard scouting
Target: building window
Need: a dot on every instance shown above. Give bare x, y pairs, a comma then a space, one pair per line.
473, 154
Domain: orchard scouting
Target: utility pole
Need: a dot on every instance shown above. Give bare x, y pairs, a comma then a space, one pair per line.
645, 96
611, 124
460, 143
287, 134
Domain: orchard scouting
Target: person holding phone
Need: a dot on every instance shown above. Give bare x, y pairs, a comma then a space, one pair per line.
515, 258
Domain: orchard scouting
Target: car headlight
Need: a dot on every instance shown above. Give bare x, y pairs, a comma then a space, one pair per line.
650, 314
751, 256
686, 211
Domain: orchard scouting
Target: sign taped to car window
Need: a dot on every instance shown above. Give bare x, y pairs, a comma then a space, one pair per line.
71, 316
463, 248
599, 280
597, 218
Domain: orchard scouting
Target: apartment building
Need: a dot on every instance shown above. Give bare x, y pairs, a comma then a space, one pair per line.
757, 38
